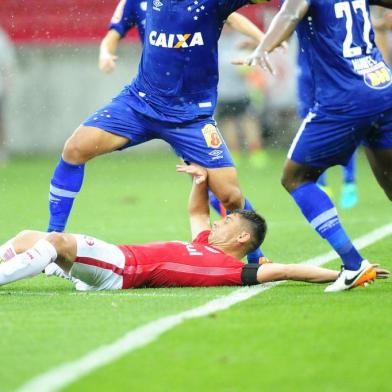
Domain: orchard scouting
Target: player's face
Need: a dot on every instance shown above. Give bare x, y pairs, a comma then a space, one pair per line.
226, 230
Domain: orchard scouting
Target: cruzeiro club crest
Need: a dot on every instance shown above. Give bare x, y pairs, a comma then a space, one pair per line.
212, 136
157, 5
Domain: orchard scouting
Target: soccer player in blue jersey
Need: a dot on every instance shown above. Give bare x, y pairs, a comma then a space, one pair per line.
305, 87
172, 98
130, 14
353, 105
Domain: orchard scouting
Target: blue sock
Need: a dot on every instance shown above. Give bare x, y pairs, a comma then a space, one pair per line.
252, 257
216, 204
64, 186
349, 170
322, 180
322, 215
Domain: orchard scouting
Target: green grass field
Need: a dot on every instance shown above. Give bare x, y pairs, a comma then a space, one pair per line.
292, 337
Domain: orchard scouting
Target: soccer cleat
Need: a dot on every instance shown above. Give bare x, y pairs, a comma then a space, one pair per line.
349, 196
350, 279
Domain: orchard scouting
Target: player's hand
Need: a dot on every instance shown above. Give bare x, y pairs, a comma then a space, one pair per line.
258, 57
381, 273
199, 173
107, 62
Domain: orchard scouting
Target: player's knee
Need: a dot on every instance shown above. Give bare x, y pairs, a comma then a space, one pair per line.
288, 182
60, 243
74, 152
231, 199
23, 233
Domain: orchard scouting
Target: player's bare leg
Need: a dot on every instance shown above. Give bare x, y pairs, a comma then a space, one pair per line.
295, 174
318, 209
381, 164
223, 182
84, 144
88, 142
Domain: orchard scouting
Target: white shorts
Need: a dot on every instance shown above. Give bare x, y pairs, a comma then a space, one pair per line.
98, 264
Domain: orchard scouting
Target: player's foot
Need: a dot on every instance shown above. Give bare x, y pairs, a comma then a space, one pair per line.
349, 196
54, 270
81, 286
349, 279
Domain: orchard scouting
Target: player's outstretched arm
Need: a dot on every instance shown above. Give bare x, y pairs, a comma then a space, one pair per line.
198, 207
305, 273
108, 50
280, 29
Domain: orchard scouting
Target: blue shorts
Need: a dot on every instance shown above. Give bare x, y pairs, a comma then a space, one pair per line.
325, 139
197, 141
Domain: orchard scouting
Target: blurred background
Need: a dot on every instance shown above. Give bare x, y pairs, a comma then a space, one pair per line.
50, 79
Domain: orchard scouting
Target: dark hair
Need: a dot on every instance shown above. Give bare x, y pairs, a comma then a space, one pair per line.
257, 226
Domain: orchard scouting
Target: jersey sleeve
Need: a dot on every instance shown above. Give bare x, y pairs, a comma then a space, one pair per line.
202, 237
124, 17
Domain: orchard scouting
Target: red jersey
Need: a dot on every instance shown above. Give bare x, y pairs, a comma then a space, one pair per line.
177, 263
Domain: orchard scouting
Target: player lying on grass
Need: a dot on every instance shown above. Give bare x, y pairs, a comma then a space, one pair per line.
211, 259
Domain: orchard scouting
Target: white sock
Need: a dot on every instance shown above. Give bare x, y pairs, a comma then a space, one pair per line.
7, 251
29, 263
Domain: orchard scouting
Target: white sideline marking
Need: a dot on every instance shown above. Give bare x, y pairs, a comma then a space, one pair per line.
65, 374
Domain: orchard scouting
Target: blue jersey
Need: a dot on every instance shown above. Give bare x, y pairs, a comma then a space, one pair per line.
128, 14
349, 75
178, 73
305, 85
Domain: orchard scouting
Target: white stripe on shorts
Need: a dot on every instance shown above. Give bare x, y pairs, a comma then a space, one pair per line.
306, 120
62, 192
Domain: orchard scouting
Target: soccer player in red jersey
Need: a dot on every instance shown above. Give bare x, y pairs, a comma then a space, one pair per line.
211, 259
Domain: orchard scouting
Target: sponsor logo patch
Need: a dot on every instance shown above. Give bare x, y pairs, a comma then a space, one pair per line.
175, 41
211, 136
215, 153
375, 74
378, 78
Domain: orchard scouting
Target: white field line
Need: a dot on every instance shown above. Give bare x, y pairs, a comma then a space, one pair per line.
65, 374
